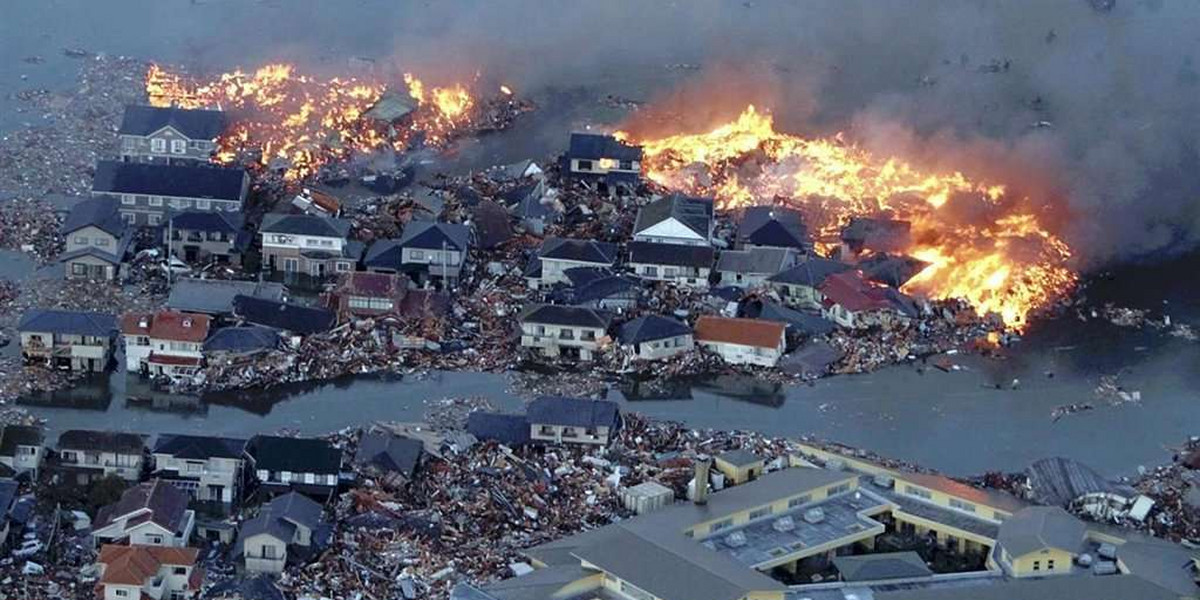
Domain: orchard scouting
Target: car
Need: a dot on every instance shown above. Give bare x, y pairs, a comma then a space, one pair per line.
28, 548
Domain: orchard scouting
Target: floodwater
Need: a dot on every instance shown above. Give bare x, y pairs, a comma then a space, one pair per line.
962, 422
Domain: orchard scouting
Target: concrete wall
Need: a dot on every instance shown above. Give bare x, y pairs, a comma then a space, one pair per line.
778, 506
735, 474
125, 466
91, 267
739, 354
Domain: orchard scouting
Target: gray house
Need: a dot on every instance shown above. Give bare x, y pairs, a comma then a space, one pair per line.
799, 286
97, 240
602, 159
283, 529
169, 135
434, 250
558, 255
567, 331
148, 191
214, 297
197, 236
63, 339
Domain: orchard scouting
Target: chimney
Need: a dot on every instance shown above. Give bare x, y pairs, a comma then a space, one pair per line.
700, 491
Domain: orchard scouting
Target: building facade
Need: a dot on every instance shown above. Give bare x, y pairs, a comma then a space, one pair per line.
148, 192
164, 344
742, 341
169, 135
563, 331
315, 246
208, 469
60, 339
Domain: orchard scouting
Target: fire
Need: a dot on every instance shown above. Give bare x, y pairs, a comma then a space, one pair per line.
299, 123
1001, 260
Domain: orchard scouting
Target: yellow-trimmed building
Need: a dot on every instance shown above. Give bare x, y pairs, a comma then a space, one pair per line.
740, 466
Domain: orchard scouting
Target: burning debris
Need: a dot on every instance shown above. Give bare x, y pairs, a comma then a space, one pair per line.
1004, 262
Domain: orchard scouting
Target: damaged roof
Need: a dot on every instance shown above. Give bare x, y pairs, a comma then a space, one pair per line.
746, 332
110, 441
246, 338
215, 296
774, 226
313, 225
297, 455
19, 435
68, 322
301, 320
1059, 481
755, 260
573, 412
217, 183
810, 273
167, 505
505, 428
196, 124
389, 452
199, 446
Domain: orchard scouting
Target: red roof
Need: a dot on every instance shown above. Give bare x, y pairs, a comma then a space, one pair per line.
747, 332
375, 285
133, 565
854, 293
172, 359
167, 325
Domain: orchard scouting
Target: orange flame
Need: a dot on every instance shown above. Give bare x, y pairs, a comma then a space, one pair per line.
1004, 263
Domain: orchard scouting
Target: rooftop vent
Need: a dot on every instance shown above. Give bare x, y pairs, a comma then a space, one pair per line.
143, 323
783, 524
813, 516
736, 539
187, 322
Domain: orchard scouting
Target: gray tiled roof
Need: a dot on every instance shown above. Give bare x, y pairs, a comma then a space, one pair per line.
1039, 527
68, 322
196, 124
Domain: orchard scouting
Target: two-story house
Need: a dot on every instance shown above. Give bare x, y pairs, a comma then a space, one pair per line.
558, 255
65, 339
675, 219
164, 344
366, 295
603, 159
209, 469
316, 246
169, 135
94, 454
573, 420
151, 513
799, 286
306, 465
563, 331
148, 573
432, 250
282, 531
851, 301
97, 240
203, 237
742, 341
22, 448
684, 265
652, 337
751, 267
147, 192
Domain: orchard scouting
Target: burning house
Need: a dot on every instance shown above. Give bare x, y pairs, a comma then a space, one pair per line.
602, 159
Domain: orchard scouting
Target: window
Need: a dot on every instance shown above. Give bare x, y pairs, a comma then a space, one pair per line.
128, 460
1050, 565
760, 513
670, 272
194, 467
918, 492
69, 456
78, 269
26, 450
120, 593
101, 241
204, 204
585, 165
719, 525
960, 505
285, 476
143, 340
627, 165
331, 480
650, 271
588, 335
310, 478
129, 217
196, 144
155, 201
158, 145
1037, 565
569, 432
179, 570
152, 219
268, 551
177, 595
417, 254
997, 515
838, 489
178, 147
154, 539
126, 200
128, 143
541, 329
81, 240
342, 267
291, 265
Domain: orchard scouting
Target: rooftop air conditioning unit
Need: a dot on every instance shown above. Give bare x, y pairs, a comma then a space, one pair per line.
736, 539
783, 524
1104, 567
884, 481
1108, 551
813, 516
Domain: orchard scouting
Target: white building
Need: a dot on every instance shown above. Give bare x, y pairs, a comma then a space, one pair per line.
567, 331
742, 341
147, 572
166, 343
94, 454
153, 513
675, 219
208, 469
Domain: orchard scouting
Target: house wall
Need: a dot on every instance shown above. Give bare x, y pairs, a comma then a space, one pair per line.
744, 280
739, 354
150, 211
288, 259
131, 592
561, 434
125, 466
253, 551
604, 166
664, 348
287, 477
944, 500
91, 237
548, 338
79, 353
438, 260
138, 349
91, 267
737, 474
224, 472
671, 231
690, 276
135, 148
799, 296
151, 534
27, 458
1024, 566
205, 245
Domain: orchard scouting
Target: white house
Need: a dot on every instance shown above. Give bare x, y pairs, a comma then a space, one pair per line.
153, 513
567, 331
751, 267
22, 448
742, 341
168, 134
434, 250
306, 465
167, 343
684, 265
573, 420
94, 454
311, 245
675, 219
147, 572
652, 337
602, 159
208, 469
284, 524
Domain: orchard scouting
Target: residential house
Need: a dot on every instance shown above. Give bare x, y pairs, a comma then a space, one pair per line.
391, 458
310, 245
558, 255
94, 454
148, 191
851, 301
573, 420
214, 297
97, 240
773, 227
65, 339
600, 289
384, 256
164, 344
285, 528
675, 219
434, 250
684, 265
292, 319
602, 159
317, 203
309, 466
207, 237
751, 267
366, 295
566, 331
739, 466
170, 135
869, 235
209, 469
652, 337
148, 573
22, 448
241, 341
152, 513
503, 428
742, 341
1040, 541
798, 286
